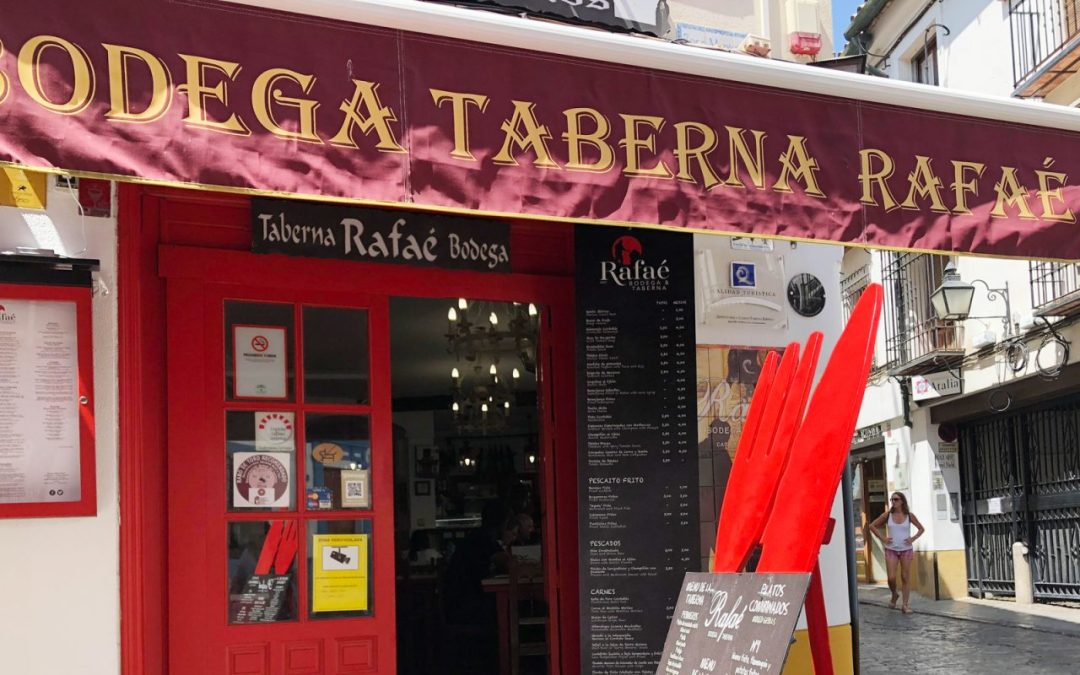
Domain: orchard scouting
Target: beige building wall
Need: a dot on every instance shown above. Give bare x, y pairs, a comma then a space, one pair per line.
725, 24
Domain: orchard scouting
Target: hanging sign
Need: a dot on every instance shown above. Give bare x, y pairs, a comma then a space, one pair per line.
261, 361
935, 385
339, 576
381, 236
733, 623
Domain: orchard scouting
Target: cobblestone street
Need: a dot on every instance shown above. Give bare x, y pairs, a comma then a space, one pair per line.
892, 642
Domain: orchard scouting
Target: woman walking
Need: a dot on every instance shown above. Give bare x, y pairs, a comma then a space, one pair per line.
898, 550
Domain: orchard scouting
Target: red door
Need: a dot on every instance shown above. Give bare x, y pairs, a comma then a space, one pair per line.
280, 487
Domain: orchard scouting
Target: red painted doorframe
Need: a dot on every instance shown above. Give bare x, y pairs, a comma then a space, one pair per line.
151, 217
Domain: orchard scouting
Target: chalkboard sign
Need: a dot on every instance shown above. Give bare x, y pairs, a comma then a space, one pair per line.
733, 623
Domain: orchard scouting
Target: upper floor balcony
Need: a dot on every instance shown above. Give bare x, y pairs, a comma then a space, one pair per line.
1045, 44
916, 340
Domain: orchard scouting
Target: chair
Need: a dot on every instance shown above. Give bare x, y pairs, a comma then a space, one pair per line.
527, 615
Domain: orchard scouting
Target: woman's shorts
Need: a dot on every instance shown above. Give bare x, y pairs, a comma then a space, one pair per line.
898, 555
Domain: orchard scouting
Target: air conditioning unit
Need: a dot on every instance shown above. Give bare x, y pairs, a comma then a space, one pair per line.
755, 45
806, 44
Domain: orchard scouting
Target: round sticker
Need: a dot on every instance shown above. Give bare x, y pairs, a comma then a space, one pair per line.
276, 428
262, 480
327, 453
806, 294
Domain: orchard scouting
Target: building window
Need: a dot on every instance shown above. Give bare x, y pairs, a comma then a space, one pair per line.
915, 339
1055, 288
852, 287
924, 64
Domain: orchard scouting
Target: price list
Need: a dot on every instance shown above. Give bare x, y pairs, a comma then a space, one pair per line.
637, 453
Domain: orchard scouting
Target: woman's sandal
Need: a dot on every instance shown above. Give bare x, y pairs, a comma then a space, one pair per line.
906, 610
892, 603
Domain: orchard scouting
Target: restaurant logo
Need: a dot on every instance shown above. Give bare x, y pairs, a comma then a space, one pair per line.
624, 249
629, 268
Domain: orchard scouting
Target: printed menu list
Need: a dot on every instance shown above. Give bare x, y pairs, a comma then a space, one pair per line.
638, 470
39, 416
733, 623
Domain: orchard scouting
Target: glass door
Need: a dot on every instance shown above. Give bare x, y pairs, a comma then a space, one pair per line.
280, 467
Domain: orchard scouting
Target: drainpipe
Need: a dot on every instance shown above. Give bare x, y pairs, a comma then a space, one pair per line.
905, 399
853, 582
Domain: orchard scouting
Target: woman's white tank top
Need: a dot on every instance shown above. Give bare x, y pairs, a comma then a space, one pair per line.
899, 532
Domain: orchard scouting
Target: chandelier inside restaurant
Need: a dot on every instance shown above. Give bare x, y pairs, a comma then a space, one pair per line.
481, 335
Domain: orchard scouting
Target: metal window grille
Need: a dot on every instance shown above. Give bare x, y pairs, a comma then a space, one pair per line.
852, 287
1053, 283
912, 330
1038, 30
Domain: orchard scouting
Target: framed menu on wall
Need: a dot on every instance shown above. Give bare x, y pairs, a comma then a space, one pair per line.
46, 401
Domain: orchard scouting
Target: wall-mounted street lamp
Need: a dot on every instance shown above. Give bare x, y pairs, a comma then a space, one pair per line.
952, 299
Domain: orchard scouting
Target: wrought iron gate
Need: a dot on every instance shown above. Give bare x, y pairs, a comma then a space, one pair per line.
1021, 482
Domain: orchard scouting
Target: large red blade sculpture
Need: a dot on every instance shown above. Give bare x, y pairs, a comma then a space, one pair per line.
785, 459
749, 480
821, 445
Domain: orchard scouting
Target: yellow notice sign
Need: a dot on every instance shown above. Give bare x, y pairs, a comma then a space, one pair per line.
22, 189
339, 578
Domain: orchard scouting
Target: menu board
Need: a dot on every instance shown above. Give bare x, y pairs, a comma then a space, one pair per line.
39, 406
262, 599
638, 466
733, 623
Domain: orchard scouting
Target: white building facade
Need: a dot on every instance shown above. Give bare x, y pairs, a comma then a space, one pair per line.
973, 418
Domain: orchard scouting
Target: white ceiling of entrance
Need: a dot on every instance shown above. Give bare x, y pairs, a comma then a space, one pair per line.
420, 362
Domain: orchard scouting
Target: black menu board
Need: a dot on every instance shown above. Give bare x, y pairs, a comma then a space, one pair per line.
733, 623
638, 465
261, 600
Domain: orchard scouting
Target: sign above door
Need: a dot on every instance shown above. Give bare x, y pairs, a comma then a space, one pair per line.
380, 236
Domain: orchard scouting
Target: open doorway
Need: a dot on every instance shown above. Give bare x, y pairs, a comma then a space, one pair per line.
467, 492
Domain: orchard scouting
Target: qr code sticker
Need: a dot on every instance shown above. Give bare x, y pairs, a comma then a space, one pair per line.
354, 489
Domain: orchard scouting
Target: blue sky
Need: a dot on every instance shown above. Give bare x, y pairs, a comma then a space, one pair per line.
842, 11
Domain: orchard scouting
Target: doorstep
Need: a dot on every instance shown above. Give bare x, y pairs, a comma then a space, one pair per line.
1041, 617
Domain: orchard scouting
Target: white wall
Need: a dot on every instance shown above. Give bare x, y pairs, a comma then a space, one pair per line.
975, 54
822, 261
772, 19
912, 467
59, 577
